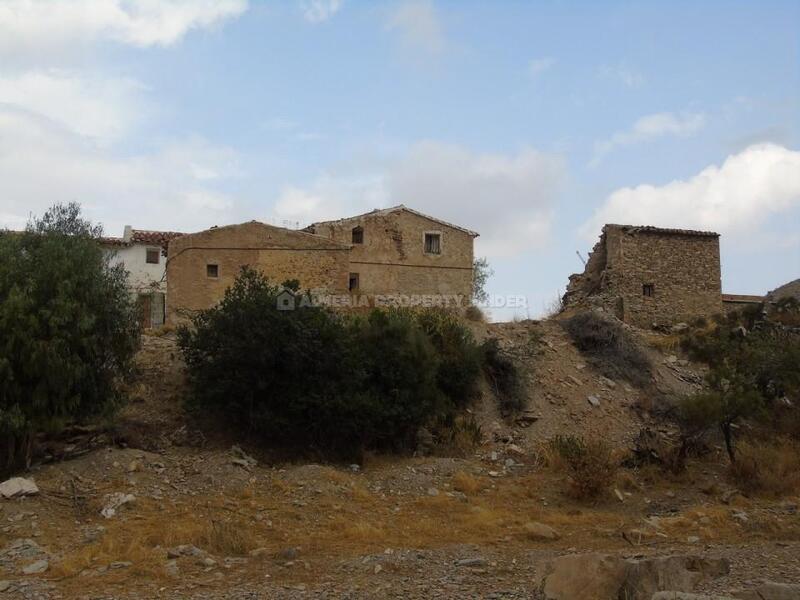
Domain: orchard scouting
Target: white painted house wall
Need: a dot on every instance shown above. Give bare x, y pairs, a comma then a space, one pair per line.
146, 280
142, 276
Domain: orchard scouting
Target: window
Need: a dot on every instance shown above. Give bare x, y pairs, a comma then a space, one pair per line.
647, 290
212, 271
152, 256
353, 285
433, 243
358, 235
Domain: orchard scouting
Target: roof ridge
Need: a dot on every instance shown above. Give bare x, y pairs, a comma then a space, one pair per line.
398, 207
656, 229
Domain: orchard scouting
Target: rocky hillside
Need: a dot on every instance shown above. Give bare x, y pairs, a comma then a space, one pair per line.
788, 290
178, 509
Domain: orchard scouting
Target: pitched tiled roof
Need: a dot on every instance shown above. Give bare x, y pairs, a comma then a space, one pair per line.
112, 241
391, 209
162, 238
143, 236
659, 230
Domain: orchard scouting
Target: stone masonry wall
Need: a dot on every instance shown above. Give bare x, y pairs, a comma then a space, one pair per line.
392, 259
281, 254
683, 268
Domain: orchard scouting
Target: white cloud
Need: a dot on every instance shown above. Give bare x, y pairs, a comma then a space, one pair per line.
650, 127
418, 24
176, 186
540, 65
33, 25
317, 11
332, 196
99, 108
622, 72
506, 198
735, 198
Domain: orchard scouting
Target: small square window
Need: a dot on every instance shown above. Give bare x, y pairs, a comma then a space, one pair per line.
358, 235
212, 271
647, 290
152, 256
353, 285
433, 243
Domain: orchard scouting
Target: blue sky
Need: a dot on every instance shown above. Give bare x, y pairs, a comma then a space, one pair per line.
533, 123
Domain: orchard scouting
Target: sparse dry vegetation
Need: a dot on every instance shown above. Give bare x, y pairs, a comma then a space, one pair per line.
768, 467
504, 377
466, 483
590, 464
608, 347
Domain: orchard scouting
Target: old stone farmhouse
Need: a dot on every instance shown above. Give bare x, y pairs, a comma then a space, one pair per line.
399, 250
389, 251
144, 256
650, 276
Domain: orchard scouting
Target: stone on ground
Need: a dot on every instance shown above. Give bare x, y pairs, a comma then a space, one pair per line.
17, 487
540, 531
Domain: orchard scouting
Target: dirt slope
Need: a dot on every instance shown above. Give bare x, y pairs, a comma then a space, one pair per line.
201, 520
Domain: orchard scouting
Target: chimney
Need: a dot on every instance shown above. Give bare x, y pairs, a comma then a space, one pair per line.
127, 234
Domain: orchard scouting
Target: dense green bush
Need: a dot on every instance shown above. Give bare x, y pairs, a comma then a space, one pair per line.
68, 329
459, 355
504, 378
608, 347
311, 377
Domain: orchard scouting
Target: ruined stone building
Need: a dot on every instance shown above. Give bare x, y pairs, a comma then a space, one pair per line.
650, 276
388, 251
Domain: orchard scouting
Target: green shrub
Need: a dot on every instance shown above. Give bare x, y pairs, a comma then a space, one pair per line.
309, 377
752, 373
504, 378
590, 464
608, 347
68, 329
459, 355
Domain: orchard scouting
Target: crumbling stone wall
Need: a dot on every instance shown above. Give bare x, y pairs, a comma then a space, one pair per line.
281, 254
392, 257
681, 269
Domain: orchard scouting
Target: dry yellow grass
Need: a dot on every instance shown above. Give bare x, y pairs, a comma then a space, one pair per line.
361, 494
771, 468
350, 520
336, 476
466, 483
664, 342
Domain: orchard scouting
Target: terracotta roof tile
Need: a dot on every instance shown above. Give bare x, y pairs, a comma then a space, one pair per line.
161, 238
142, 236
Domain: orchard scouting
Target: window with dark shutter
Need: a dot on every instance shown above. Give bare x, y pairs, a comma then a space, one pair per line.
647, 290
358, 235
152, 256
353, 286
212, 271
